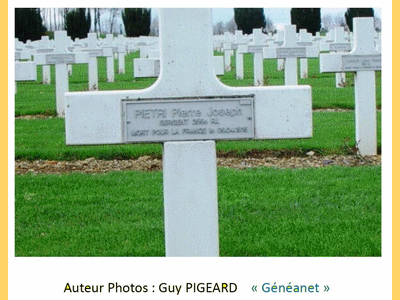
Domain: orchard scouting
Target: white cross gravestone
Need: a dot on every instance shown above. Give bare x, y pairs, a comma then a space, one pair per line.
109, 44
340, 45
257, 49
240, 45
45, 47
326, 40
145, 44
21, 51
228, 51
61, 58
290, 51
26, 70
240, 51
72, 45
121, 50
94, 51
147, 67
188, 108
279, 42
305, 39
364, 60
317, 40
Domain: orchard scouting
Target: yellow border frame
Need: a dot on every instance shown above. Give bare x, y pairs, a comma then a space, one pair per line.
395, 160
4, 161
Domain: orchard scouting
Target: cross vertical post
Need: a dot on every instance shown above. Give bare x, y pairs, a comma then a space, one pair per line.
188, 167
94, 51
61, 71
121, 46
304, 40
279, 42
290, 62
257, 49
340, 45
240, 47
110, 59
45, 48
290, 51
92, 68
364, 60
227, 51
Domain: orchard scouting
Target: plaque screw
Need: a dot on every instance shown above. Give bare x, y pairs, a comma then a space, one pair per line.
128, 122
249, 118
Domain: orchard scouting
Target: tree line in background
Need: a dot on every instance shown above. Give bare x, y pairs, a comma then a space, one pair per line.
32, 23
306, 18
136, 21
78, 23
28, 24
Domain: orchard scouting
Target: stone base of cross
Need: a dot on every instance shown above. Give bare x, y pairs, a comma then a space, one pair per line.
187, 109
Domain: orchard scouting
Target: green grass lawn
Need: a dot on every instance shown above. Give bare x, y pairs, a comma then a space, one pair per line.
333, 211
324, 92
34, 98
38, 98
333, 133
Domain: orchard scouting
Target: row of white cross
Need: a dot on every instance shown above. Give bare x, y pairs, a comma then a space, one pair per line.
323, 42
148, 64
286, 48
188, 108
290, 47
368, 59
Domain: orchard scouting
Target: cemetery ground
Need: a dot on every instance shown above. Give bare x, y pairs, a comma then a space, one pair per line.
273, 200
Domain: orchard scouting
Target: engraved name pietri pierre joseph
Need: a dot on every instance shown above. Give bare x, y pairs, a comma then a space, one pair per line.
186, 113
214, 119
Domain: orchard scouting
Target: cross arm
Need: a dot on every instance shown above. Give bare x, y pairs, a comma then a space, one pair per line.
339, 62
279, 112
330, 63
283, 52
61, 58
